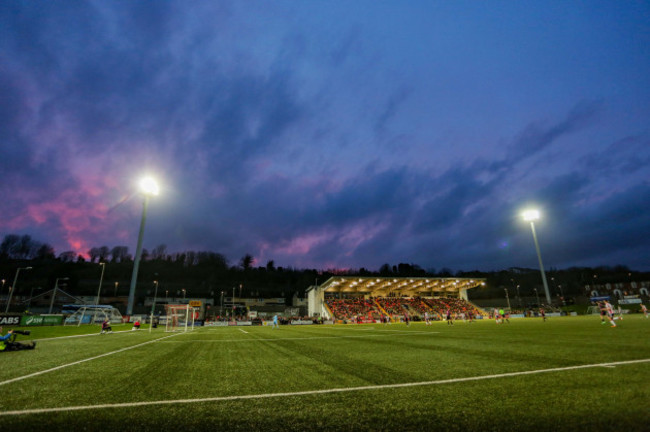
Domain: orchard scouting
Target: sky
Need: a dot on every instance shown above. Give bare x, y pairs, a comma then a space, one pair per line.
331, 134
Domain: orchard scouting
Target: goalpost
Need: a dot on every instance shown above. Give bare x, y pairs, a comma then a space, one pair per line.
93, 315
179, 318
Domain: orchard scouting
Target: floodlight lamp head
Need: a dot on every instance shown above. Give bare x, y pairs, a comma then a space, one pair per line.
530, 215
149, 186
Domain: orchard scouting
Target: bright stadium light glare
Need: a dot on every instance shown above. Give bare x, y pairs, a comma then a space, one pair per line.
530, 215
149, 186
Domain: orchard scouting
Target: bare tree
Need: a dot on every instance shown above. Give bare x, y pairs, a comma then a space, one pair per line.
119, 254
68, 256
45, 251
246, 261
93, 253
190, 258
159, 252
9, 245
26, 247
104, 252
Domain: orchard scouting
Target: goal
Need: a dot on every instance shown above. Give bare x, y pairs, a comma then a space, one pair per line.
179, 318
89, 314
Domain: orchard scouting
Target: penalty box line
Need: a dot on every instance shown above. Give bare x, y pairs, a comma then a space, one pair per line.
316, 392
20, 378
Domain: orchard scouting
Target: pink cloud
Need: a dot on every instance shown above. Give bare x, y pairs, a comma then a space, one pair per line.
75, 215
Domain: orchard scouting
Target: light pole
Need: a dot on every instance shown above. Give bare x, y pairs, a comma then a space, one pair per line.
3, 286
518, 297
155, 294
507, 297
56, 286
101, 279
31, 294
148, 187
12, 288
221, 307
531, 216
536, 296
115, 292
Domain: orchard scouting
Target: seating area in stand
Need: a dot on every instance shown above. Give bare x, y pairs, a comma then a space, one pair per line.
372, 308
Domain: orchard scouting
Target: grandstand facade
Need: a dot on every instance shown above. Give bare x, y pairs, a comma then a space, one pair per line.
372, 296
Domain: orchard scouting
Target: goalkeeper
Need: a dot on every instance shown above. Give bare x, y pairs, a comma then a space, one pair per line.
8, 342
106, 327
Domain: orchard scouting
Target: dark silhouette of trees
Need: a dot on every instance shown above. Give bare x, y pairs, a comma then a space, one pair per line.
103, 253
21, 247
8, 245
45, 252
120, 254
93, 253
67, 256
207, 273
246, 262
159, 252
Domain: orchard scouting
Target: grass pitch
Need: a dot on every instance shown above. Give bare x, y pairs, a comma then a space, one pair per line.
569, 373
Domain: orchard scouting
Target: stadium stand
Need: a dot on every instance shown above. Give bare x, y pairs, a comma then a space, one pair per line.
373, 308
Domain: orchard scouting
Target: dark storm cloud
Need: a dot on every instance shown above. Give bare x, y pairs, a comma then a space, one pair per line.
600, 232
314, 137
625, 156
537, 137
456, 190
13, 110
246, 119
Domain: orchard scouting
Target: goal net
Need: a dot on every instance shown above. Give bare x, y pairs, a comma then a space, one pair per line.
94, 315
179, 318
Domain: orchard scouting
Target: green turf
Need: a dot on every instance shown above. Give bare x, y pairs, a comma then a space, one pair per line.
375, 359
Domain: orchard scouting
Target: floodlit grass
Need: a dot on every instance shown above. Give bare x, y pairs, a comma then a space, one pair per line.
257, 378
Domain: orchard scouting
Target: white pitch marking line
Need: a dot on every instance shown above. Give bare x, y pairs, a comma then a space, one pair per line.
84, 360
243, 331
315, 392
80, 335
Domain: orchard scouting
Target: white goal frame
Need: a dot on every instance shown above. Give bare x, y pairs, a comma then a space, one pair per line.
179, 318
93, 315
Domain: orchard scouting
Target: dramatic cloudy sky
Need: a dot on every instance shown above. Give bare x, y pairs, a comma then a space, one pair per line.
331, 134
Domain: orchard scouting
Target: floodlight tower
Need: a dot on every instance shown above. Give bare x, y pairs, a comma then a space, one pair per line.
531, 216
13, 287
56, 287
149, 188
101, 279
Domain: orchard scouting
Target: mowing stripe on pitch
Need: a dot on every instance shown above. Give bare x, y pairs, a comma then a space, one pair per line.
84, 360
410, 333
315, 392
78, 336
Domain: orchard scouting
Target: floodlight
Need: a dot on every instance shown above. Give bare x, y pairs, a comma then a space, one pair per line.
530, 215
149, 186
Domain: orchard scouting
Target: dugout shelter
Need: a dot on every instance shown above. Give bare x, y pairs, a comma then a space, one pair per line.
355, 286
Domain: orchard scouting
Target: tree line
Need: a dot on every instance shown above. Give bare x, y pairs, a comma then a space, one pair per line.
206, 273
